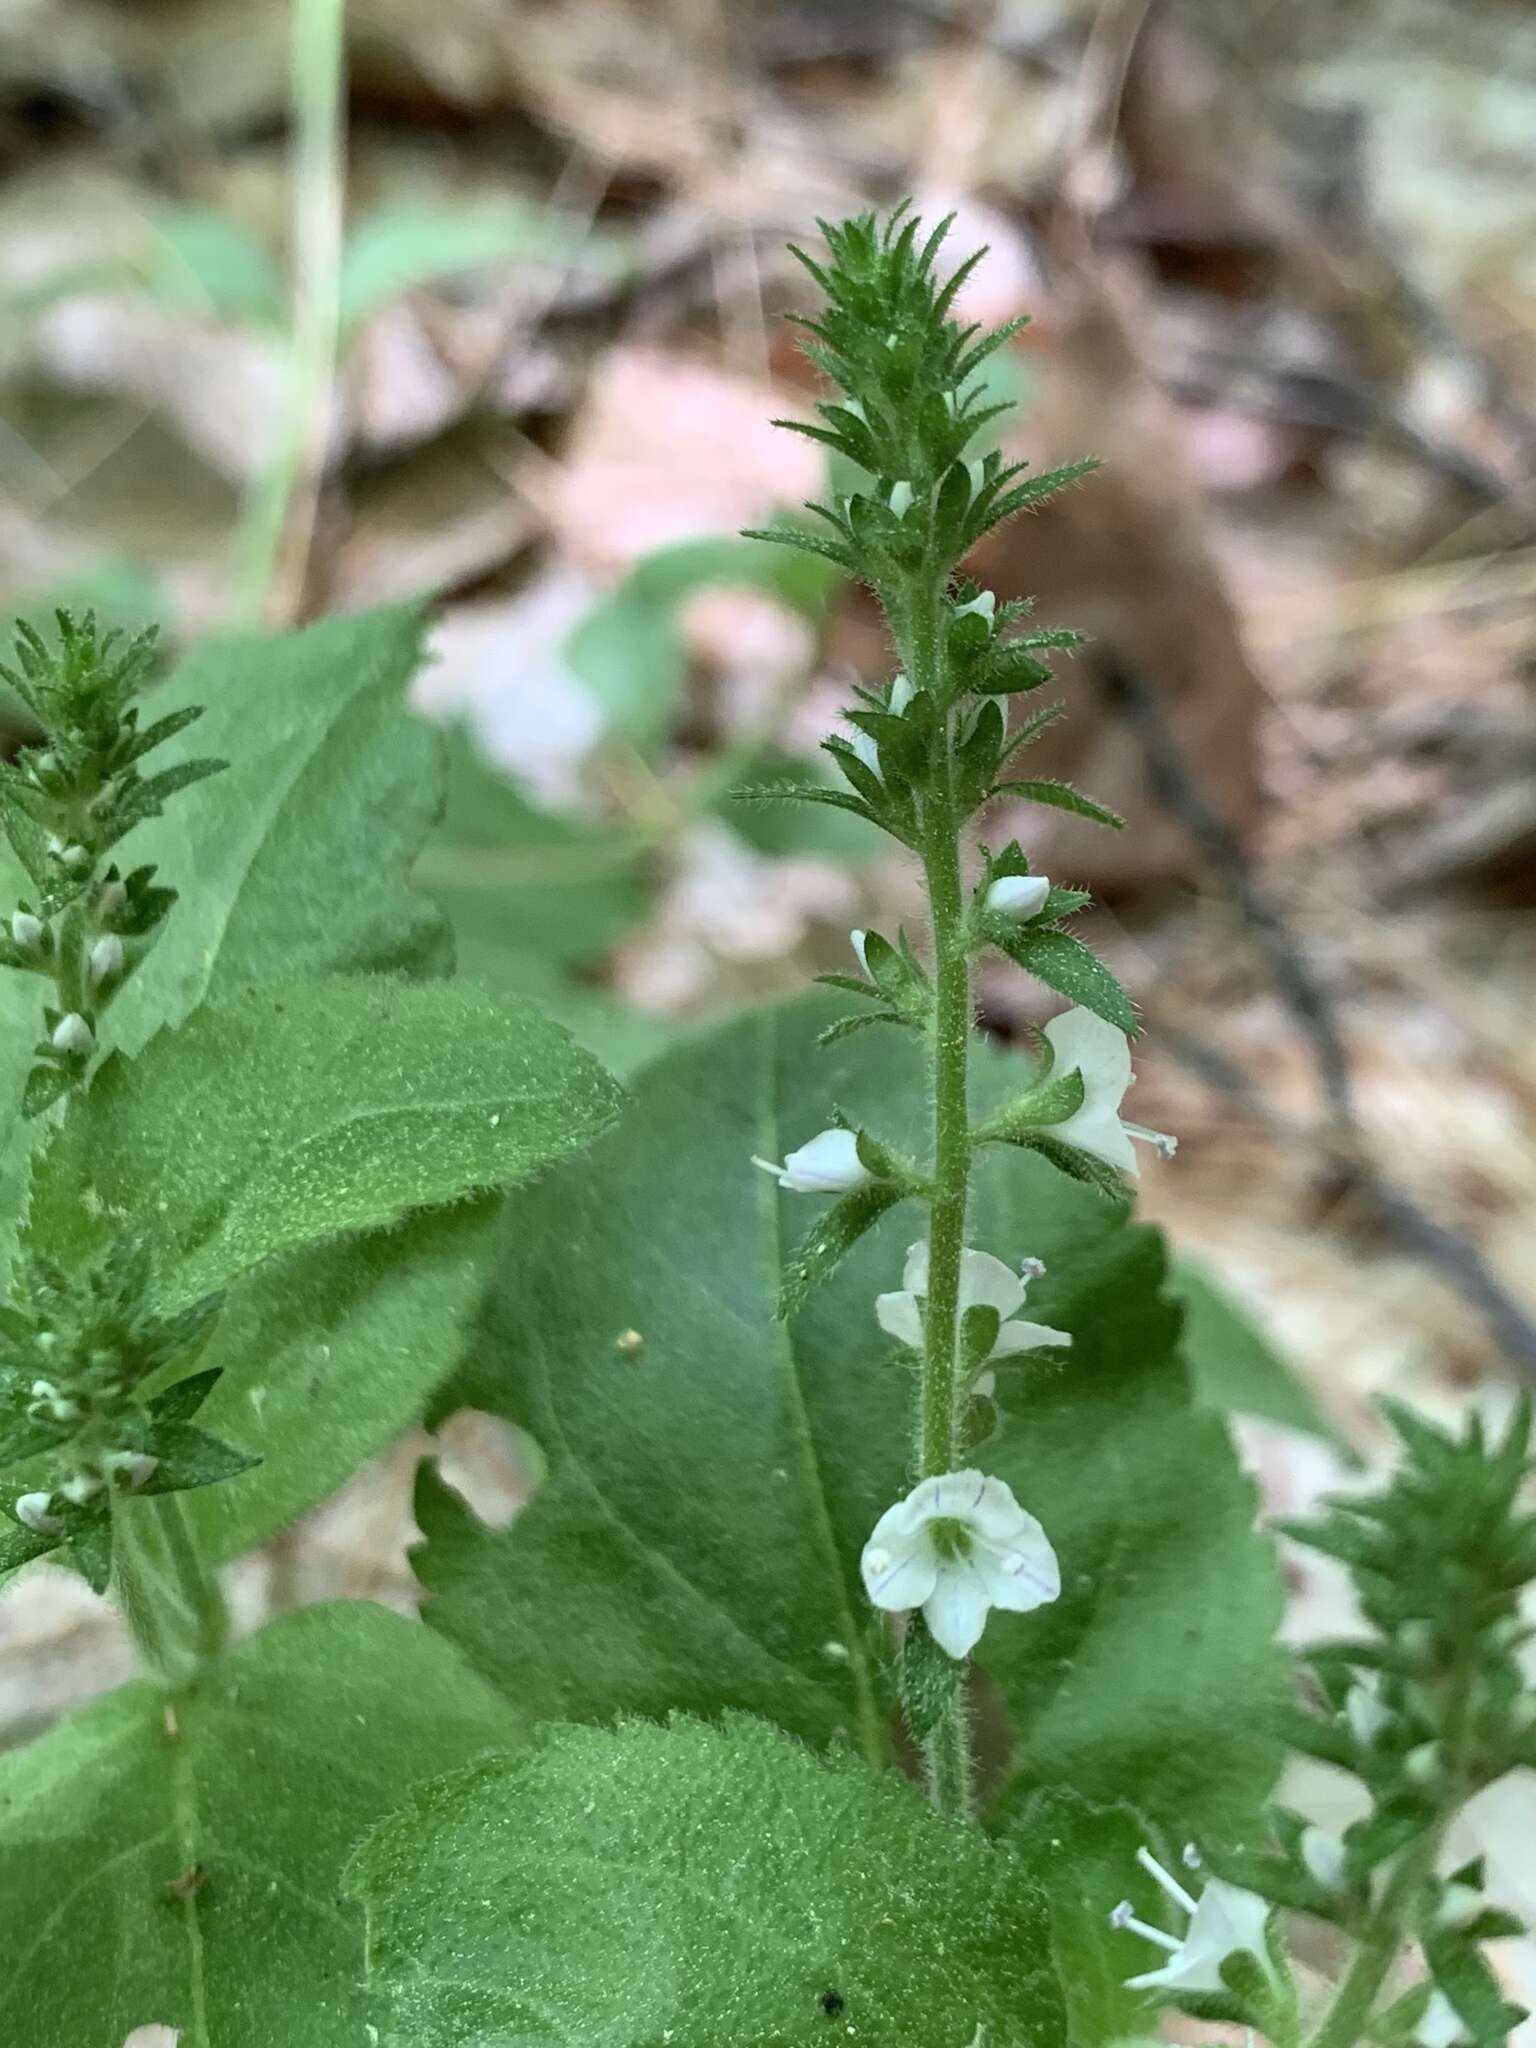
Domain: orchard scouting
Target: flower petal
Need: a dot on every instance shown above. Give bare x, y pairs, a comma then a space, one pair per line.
987, 1283
900, 1317
956, 1610
1100, 1053
828, 1164
1015, 1337
899, 1582
914, 1274
1021, 1575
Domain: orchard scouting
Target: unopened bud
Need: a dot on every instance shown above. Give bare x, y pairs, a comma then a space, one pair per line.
977, 472
110, 898
901, 695
32, 1512
983, 605
106, 958
81, 1487
27, 930
130, 1468
74, 855
901, 498
1020, 896
1323, 1854
1421, 1766
1458, 1904
72, 1034
856, 939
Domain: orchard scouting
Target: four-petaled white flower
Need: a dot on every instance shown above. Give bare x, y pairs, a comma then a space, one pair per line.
1018, 896
1225, 1920
828, 1164
958, 1546
985, 1282
1084, 1044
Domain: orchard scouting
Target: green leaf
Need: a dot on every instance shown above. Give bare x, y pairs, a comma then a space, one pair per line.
695, 1886
708, 1497
833, 1235
327, 1355
205, 263
403, 247
1085, 1857
630, 652
290, 1114
1154, 1678
293, 862
1065, 964
185, 1869
1059, 796
1233, 1363
516, 880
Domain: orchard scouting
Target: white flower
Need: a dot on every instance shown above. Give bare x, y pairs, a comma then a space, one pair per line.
110, 898
901, 694
856, 940
1018, 895
985, 1282
983, 604
26, 930
73, 1034
153, 2037
1441, 2026
901, 497
957, 1546
32, 1512
106, 957
1323, 1854
863, 745
81, 1487
1223, 1921
136, 1468
1363, 1709
1086, 1045
829, 1164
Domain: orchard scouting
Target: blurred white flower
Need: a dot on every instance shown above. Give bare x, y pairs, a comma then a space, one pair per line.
958, 1546
1225, 1920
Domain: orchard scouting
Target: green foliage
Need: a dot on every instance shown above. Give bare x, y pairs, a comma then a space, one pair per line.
289, 1114
1154, 1678
708, 1495
301, 850
180, 1862
1235, 1366
695, 1885
518, 882
328, 1354
629, 651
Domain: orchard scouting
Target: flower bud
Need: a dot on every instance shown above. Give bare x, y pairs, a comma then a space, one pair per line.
72, 1034
982, 606
977, 472
901, 498
130, 1468
901, 695
829, 1164
81, 1487
74, 855
1019, 896
32, 1512
856, 939
1421, 1766
1322, 1852
110, 898
106, 957
28, 931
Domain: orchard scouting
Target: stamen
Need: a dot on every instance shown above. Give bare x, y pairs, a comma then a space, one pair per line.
1158, 1140
1155, 1934
1170, 1885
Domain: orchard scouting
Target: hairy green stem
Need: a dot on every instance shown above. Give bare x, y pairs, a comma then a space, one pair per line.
169, 1598
950, 1761
1381, 1944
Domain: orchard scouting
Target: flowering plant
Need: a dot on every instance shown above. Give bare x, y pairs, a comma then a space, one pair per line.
874, 1657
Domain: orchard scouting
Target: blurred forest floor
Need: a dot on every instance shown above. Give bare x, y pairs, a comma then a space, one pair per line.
500, 322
